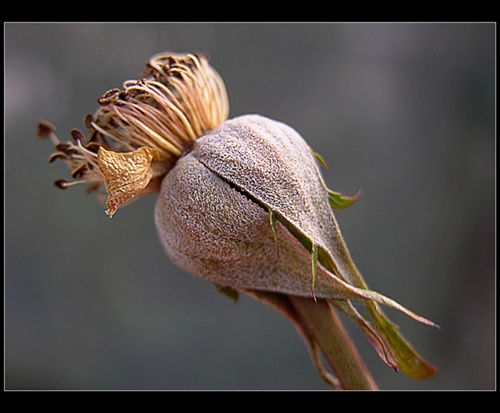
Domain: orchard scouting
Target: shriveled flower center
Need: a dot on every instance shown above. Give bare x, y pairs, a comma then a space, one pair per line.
139, 132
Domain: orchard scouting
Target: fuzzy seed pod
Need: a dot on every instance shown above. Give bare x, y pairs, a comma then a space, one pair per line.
247, 208
214, 210
241, 202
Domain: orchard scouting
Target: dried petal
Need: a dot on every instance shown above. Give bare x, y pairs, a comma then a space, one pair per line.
125, 174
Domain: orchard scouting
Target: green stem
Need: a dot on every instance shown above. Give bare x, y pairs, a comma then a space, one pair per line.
323, 323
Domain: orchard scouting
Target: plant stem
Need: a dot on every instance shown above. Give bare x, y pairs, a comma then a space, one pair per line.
322, 322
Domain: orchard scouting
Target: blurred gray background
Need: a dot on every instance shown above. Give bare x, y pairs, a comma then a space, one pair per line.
404, 112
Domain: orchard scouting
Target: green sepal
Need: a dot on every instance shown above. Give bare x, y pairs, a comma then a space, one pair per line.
314, 263
320, 159
409, 361
339, 201
228, 292
272, 221
375, 338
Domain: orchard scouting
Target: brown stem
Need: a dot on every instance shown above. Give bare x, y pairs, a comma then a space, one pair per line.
322, 331
321, 322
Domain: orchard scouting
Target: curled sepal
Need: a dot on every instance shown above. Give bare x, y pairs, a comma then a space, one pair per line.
228, 292
409, 361
337, 200
340, 201
376, 339
272, 221
320, 160
314, 265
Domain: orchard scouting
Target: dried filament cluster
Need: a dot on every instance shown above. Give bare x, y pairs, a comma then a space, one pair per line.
139, 132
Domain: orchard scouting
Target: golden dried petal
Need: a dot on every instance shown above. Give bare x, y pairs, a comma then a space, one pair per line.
125, 174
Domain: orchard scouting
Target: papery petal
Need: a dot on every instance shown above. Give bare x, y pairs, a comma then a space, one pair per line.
125, 174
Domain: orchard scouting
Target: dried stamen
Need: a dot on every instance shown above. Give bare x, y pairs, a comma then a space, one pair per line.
150, 123
45, 129
77, 135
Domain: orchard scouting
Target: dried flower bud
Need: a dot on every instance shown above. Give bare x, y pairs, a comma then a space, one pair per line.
242, 202
220, 197
250, 186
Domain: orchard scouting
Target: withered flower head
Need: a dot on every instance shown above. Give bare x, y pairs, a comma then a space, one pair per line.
241, 203
139, 132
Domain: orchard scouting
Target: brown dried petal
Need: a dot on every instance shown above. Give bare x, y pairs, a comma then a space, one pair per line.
125, 174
